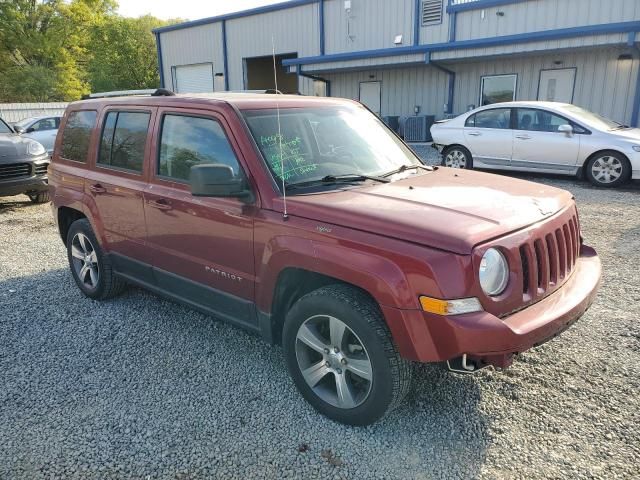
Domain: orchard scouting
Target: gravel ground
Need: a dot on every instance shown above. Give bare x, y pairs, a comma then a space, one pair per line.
139, 387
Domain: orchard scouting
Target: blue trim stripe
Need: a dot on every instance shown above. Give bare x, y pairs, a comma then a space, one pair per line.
561, 33
480, 4
225, 64
635, 115
321, 15
230, 16
416, 22
160, 64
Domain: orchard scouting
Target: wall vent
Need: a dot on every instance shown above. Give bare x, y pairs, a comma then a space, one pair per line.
432, 12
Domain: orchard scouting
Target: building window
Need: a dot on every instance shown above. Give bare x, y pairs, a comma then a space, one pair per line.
431, 12
497, 88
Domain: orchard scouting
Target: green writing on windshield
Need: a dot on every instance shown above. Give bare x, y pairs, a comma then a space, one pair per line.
281, 151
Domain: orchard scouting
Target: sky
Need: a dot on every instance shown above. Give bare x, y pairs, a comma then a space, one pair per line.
187, 9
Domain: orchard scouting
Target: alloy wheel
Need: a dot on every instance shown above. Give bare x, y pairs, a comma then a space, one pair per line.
606, 169
455, 159
85, 260
333, 361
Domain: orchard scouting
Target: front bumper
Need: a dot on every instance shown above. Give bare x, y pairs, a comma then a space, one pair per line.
35, 180
489, 340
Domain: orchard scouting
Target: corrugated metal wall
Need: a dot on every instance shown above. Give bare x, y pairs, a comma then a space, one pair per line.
294, 30
13, 112
604, 84
201, 44
540, 15
367, 25
402, 88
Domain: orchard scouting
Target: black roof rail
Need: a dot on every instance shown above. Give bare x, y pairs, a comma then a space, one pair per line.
154, 92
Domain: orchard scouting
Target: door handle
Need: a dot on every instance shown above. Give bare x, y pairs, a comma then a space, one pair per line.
160, 204
523, 137
97, 188
474, 134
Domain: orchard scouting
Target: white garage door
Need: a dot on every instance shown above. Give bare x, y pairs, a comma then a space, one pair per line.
196, 78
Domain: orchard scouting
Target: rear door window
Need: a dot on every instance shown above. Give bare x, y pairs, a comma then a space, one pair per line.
124, 136
186, 141
77, 135
499, 118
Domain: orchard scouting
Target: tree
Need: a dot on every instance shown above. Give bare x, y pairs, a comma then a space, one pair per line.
59, 50
124, 54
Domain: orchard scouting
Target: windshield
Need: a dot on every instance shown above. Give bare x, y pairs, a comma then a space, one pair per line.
593, 119
4, 128
326, 141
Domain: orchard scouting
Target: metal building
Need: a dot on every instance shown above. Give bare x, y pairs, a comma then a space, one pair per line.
433, 57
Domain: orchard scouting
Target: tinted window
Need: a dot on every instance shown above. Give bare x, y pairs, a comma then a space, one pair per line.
4, 128
124, 135
44, 124
77, 134
188, 141
496, 118
539, 120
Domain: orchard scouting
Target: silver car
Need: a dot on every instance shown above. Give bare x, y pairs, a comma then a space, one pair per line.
41, 129
544, 137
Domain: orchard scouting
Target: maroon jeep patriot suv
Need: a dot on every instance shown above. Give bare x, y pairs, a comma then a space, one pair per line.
307, 221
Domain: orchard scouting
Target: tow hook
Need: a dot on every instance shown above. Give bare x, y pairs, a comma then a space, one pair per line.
464, 365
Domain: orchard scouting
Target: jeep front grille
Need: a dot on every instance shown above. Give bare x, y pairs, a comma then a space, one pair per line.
549, 259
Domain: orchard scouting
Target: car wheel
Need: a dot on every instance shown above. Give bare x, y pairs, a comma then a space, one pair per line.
341, 357
90, 267
39, 197
457, 157
608, 169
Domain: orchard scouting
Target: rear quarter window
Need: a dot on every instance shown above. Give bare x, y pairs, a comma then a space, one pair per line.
77, 135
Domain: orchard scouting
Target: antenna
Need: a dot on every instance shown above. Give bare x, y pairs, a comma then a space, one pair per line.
275, 81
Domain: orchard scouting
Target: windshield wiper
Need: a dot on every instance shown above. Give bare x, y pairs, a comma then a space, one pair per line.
404, 168
619, 127
330, 179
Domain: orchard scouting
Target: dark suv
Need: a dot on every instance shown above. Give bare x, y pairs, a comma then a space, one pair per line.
307, 221
23, 166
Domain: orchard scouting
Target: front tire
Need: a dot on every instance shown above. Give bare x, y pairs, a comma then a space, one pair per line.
39, 197
457, 157
341, 357
608, 169
90, 267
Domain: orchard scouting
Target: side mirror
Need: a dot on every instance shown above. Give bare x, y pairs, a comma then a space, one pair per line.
215, 180
568, 129
19, 130
31, 129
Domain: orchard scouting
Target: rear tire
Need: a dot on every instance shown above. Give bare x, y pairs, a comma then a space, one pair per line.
90, 267
353, 372
39, 197
457, 156
608, 169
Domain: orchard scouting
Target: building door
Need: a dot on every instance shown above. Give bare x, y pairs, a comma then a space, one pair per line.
557, 85
196, 78
370, 95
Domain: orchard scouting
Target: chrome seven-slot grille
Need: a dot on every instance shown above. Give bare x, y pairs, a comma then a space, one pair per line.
547, 261
18, 170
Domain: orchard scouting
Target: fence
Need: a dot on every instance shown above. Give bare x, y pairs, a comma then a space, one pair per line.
13, 112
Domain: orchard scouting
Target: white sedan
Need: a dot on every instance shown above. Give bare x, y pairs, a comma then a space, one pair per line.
544, 137
42, 129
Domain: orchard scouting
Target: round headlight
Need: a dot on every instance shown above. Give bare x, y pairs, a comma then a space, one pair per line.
494, 272
35, 148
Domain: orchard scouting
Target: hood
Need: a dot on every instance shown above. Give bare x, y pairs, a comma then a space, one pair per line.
632, 134
13, 147
448, 209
